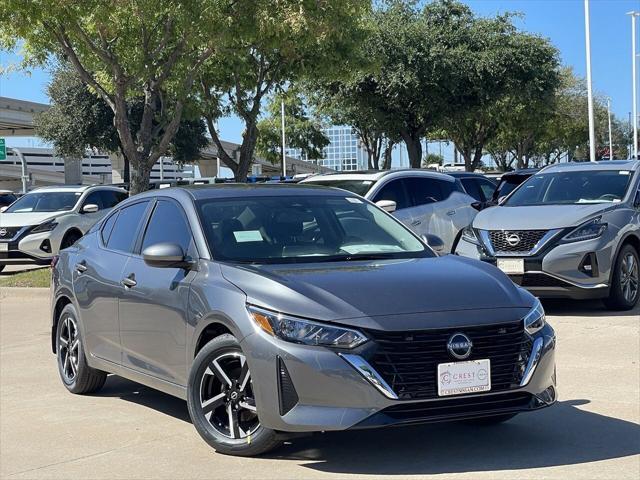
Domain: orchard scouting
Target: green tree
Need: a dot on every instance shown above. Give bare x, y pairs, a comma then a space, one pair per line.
135, 49
78, 119
277, 44
303, 129
499, 69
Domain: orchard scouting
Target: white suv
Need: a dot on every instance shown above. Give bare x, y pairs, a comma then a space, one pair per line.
427, 202
39, 224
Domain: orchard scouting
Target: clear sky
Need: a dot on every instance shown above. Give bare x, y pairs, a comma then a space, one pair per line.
562, 21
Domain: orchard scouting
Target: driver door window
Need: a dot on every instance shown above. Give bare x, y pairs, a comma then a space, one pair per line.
395, 191
168, 225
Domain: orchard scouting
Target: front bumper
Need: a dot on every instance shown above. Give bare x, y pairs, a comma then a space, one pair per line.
35, 248
330, 394
558, 270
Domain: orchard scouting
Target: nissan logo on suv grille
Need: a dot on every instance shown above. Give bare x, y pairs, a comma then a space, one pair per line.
459, 346
3, 232
513, 239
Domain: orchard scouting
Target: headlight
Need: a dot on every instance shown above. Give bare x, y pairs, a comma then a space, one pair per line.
45, 227
535, 320
297, 330
587, 231
469, 235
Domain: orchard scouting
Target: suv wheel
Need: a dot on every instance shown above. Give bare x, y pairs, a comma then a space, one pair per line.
221, 400
624, 284
76, 375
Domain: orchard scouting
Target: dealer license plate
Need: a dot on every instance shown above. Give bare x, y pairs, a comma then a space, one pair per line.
464, 377
513, 266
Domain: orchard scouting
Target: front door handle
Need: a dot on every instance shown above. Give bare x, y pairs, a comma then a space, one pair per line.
81, 267
129, 282
451, 213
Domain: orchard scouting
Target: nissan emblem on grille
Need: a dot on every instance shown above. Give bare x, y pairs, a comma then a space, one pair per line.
459, 346
513, 239
3, 232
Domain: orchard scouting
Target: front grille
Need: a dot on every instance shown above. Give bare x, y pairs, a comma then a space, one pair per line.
528, 240
460, 407
541, 280
408, 361
7, 233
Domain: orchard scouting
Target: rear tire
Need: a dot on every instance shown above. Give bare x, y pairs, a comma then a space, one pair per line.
625, 290
488, 421
221, 403
76, 375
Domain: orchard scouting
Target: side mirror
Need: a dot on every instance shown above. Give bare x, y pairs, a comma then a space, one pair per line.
90, 208
435, 242
164, 255
387, 205
2, 209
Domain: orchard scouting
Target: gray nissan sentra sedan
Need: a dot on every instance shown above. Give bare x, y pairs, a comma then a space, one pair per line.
276, 309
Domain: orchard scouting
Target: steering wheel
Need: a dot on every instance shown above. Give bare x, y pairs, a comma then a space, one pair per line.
608, 196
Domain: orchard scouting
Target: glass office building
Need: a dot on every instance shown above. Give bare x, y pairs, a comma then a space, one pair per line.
344, 152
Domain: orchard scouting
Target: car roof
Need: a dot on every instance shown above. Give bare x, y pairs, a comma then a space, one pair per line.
75, 188
465, 174
601, 165
377, 175
521, 171
243, 190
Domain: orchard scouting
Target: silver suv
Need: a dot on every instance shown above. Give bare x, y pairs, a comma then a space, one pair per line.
39, 224
429, 203
570, 231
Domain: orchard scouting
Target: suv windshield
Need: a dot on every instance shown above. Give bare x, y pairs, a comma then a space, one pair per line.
359, 187
572, 188
44, 202
303, 229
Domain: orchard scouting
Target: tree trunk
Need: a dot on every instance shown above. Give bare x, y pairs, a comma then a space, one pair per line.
140, 173
388, 151
247, 150
414, 148
476, 160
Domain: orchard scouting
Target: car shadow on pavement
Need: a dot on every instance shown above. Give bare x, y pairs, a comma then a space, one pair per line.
129, 391
561, 435
585, 308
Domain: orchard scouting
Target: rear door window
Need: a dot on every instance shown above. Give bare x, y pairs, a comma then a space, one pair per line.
124, 233
110, 198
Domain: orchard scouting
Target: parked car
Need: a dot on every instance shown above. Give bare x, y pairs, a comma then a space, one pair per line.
425, 201
289, 308
477, 185
570, 231
40, 223
7, 197
509, 181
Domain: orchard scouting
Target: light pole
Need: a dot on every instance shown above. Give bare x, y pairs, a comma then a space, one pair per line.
587, 37
284, 152
610, 138
634, 15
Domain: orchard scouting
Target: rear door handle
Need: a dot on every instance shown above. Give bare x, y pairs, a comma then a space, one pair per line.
81, 267
129, 282
451, 213
415, 223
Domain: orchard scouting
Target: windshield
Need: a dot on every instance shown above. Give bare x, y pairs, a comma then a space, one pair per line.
44, 202
359, 187
303, 229
572, 188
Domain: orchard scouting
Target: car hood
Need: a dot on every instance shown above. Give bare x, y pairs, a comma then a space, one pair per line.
388, 294
23, 219
545, 217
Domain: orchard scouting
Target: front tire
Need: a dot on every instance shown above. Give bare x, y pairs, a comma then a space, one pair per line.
76, 375
624, 283
221, 401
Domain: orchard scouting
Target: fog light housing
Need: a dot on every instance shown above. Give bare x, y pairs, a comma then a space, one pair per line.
589, 265
45, 246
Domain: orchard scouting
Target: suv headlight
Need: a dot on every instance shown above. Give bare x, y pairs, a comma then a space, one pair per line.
587, 231
469, 235
297, 330
535, 320
45, 226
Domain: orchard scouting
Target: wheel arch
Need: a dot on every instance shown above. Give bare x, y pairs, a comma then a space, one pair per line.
61, 301
630, 238
209, 328
70, 231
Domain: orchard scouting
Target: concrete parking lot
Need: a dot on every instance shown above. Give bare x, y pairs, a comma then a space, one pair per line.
129, 431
